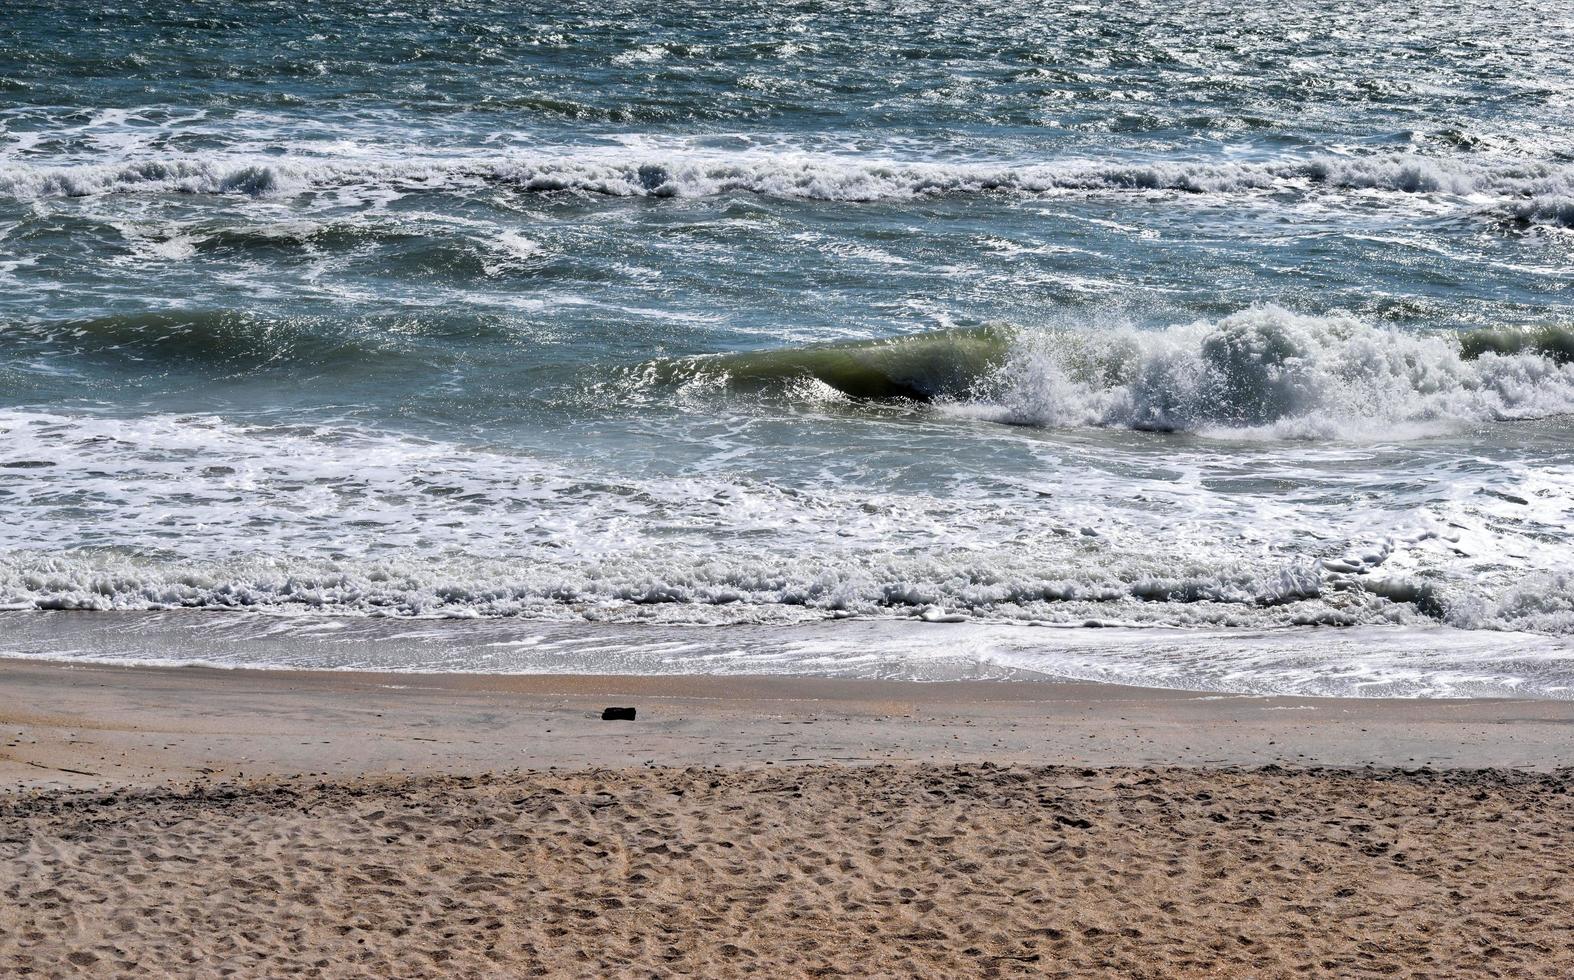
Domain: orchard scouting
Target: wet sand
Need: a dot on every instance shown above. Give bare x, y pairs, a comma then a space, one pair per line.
85, 725
203, 822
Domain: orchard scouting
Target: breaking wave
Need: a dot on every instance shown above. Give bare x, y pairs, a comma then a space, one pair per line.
1272, 372
1263, 371
1526, 192
739, 589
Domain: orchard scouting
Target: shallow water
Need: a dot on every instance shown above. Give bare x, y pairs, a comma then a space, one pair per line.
1355, 662
1180, 316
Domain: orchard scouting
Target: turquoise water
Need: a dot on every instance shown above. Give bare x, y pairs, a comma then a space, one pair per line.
1160, 315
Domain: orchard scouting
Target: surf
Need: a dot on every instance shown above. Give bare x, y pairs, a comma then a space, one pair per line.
1531, 193
1261, 371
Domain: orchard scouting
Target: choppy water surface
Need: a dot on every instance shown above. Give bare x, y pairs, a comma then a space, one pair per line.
1164, 314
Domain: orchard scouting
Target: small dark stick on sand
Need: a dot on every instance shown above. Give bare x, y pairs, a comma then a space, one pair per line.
617, 714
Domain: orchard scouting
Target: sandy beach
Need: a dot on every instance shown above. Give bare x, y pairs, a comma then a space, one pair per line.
256, 823
801, 871
786, 489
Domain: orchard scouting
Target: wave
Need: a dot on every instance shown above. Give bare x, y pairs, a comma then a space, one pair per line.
921, 367
735, 588
1544, 209
1263, 371
244, 340
1524, 191
1267, 371
1555, 342
235, 339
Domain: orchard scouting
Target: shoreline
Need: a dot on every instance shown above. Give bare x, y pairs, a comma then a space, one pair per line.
93, 725
1399, 662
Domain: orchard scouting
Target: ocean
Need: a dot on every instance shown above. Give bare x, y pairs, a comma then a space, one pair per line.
1180, 344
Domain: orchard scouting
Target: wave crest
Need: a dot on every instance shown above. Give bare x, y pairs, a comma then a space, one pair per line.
1263, 371
1530, 192
1271, 372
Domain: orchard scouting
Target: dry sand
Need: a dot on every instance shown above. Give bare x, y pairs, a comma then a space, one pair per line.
806, 871
921, 831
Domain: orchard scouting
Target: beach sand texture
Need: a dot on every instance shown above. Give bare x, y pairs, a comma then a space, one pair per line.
800, 871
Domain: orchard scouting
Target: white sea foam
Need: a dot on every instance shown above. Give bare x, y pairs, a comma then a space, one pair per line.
1550, 208
1426, 661
1524, 191
1268, 373
178, 511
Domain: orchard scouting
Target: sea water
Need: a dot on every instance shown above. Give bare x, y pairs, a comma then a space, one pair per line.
1254, 326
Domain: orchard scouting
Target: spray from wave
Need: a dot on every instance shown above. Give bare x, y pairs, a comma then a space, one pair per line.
1271, 372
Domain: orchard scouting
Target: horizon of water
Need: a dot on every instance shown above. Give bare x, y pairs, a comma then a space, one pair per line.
795, 314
